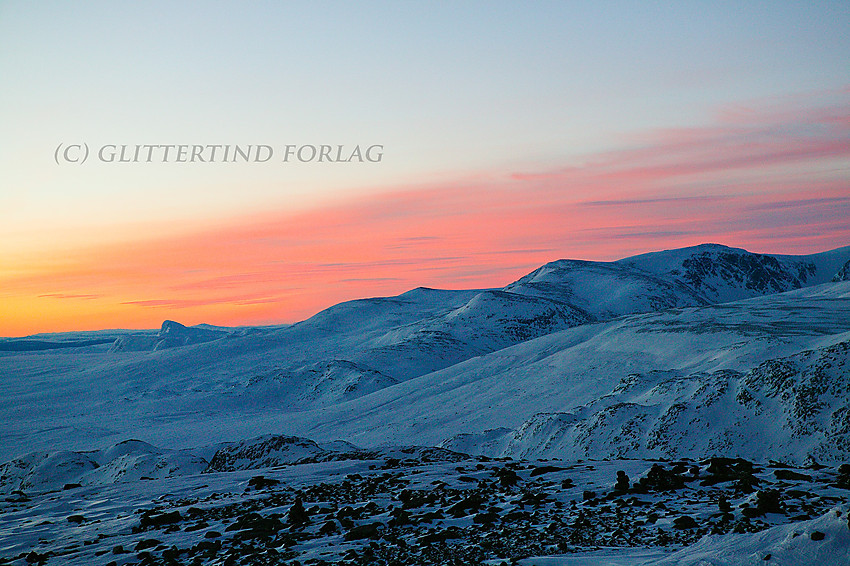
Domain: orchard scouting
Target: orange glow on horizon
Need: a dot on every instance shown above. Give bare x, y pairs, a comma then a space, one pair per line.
726, 184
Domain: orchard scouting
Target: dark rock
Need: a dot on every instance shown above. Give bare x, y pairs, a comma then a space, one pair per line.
485, 518
399, 517
329, 528
791, 475
149, 519
77, 519
197, 527
545, 470
843, 480
410, 498
297, 516
728, 469
263, 452
751, 512
256, 525
660, 479
17, 497
507, 477
369, 530
473, 502
517, 516
532, 498
261, 482
440, 536
769, 501
817, 535
431, 516
68, 486
685, 522
622, 485
146, 543
208, 546
745, 526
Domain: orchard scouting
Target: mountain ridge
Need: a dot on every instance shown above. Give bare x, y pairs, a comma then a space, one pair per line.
434, 364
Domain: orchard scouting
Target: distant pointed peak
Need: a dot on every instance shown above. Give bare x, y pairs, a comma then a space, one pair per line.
171, 326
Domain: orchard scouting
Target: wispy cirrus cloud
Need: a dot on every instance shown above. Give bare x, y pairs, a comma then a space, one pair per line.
702, 200
70, 296
785, 133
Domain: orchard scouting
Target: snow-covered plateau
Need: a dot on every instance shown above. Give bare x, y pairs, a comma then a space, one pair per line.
688, 406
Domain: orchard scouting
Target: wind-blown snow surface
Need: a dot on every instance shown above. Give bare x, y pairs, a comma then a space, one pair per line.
130, 460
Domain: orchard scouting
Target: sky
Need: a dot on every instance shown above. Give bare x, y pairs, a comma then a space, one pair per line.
502, 136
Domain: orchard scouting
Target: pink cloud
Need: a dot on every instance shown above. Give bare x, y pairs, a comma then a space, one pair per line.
738, 140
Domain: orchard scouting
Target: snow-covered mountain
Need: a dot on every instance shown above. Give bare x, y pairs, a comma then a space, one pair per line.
721, 274
605, 290
576, 358
786, 409
699, 275
666, 384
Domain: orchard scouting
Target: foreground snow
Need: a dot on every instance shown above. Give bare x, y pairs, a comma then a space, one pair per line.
274, 499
